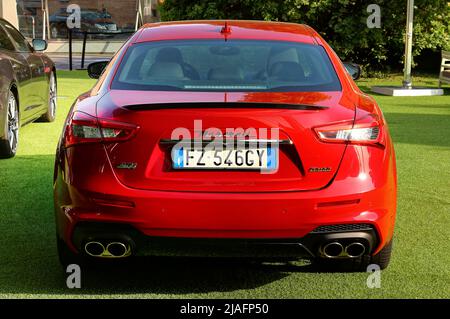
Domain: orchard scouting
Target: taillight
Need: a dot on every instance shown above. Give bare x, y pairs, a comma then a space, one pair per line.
366, 130
85, 128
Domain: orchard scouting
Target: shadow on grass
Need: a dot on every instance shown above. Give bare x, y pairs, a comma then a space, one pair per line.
367, 89
423, 129
30, 265
429, 107
75, 74
177, 276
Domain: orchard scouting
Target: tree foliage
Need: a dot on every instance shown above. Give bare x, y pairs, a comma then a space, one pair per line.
341, 22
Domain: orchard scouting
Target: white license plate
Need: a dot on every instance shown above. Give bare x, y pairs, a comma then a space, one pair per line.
253, 158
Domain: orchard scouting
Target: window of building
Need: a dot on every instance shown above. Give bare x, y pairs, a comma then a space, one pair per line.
101, 19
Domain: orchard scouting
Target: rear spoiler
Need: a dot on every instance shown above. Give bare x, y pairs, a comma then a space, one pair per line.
229, 105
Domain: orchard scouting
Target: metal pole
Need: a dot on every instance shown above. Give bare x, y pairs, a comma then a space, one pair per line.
44, 23
34, 27
47, 20
139, 19
407, 81
70, 49
137, 16
83, 53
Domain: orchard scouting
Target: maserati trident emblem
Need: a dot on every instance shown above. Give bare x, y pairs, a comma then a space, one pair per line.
127, 165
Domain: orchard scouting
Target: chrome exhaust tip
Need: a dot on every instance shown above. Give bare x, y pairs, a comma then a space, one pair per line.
333, 250
94, 248
117, 249
355, 249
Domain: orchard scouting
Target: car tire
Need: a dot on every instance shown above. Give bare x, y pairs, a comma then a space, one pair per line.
383, 258
66, 256
50, 115
361, 264
8, 147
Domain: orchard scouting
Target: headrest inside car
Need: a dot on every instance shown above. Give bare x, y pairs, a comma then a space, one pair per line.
168, 70
226, 73
287, 71
169, 55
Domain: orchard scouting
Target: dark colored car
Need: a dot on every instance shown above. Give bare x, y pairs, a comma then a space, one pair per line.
91, 21
237, 138
27, 86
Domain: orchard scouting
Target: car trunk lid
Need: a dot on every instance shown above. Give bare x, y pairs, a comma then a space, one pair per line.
145, 162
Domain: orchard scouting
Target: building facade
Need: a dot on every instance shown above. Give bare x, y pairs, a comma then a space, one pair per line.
101, 19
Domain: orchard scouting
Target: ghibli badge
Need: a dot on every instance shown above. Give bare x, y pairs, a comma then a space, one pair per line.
319, 169
127, 165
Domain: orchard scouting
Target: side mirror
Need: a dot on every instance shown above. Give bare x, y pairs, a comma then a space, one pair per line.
353, 69
39, 45
96, 69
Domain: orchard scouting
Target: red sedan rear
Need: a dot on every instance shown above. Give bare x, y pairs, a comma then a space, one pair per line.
217, 138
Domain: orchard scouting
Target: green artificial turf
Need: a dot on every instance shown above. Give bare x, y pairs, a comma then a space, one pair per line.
420, 267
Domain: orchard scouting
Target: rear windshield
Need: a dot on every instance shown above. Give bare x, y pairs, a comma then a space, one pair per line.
234, 65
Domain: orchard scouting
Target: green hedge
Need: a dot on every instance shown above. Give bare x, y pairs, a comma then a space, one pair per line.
341, 22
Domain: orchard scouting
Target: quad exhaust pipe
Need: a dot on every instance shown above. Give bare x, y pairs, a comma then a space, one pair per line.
115, 249
94, 248
333, 249
337, 250
355, 250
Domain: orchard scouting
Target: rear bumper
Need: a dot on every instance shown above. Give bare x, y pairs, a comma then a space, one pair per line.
139, 244
280, 217
288, 216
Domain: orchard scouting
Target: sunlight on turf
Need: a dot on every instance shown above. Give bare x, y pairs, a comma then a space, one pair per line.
420, 128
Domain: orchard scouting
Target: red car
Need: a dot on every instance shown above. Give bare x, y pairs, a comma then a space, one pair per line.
226, 138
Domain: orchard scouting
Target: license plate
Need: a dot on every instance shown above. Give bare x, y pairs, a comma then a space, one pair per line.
265, 158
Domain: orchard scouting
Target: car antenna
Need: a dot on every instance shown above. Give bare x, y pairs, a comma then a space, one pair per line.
226, 30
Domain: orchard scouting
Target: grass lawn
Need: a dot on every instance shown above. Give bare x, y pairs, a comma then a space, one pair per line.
420, 127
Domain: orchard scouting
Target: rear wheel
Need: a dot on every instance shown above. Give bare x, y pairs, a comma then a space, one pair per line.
50, 115
66, 256
8, 147
360, 264
383, 258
